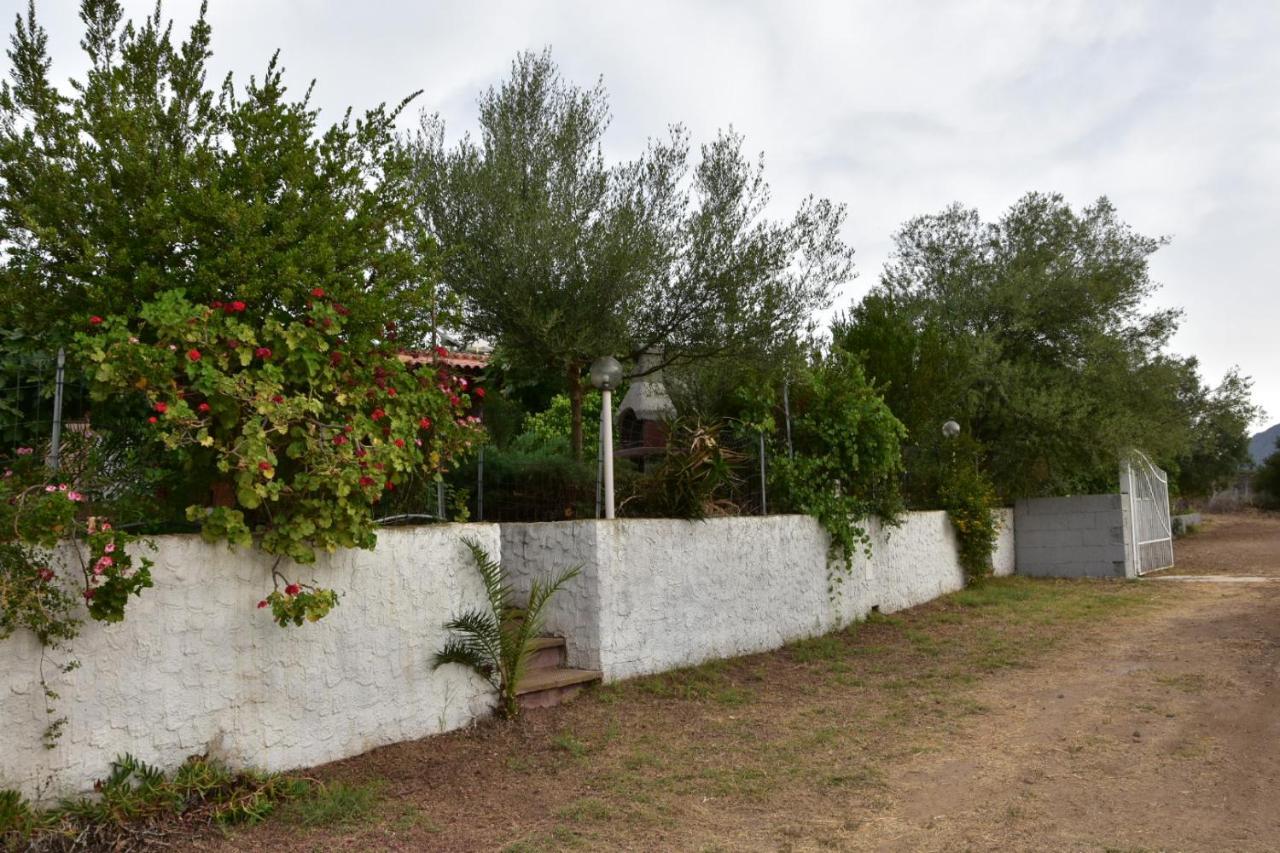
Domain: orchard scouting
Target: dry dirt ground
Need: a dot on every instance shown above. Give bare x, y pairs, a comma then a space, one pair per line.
1023, 715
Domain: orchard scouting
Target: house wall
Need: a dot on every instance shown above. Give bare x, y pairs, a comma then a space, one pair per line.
1082, 536
658, 594
195, 667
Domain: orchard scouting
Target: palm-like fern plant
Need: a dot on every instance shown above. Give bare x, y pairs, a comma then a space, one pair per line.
497, 642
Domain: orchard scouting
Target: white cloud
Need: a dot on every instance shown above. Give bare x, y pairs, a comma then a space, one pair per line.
896, 108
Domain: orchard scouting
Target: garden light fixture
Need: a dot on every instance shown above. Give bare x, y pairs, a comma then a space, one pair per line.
606, 374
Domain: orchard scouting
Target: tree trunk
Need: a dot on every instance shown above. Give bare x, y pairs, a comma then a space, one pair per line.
575, 409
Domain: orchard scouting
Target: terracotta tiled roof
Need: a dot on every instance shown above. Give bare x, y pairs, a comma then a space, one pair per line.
457, 360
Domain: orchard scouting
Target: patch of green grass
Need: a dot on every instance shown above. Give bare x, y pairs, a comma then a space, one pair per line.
825, 648
732, 697
586, 809
567, 742
335, 804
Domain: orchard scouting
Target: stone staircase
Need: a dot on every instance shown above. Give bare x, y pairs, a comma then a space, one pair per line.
547, 681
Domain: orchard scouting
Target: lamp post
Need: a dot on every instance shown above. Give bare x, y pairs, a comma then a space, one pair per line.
950, 429
606, 375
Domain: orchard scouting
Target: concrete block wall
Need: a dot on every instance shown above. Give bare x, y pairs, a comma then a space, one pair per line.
1081, 536
195, 667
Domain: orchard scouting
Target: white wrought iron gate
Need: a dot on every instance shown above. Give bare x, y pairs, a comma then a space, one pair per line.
1146, 488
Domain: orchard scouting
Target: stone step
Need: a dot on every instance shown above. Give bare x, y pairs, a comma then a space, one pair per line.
542, 688
548, 653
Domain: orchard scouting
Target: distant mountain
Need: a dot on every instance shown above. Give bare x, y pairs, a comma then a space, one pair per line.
1263, 444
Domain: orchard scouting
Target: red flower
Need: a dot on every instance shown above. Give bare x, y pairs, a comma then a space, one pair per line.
339, 439
292, 589
262, 604
236, 306
202, 408
317, 292
479, 392
361, 453
151, 419
193, 354
264, 465
377, 414
262, 352
455, 400
335, 358
161, 406
391, 325
391, 391
391, 487
277, 399
425, 423
89, 593
366, 481
232, 344
442, 352
95, 320
399, 442
341, 309
217, 303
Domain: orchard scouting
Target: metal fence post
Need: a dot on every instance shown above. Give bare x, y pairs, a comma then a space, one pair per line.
480, 486
440, 500
55, 441
786, 411
764, 489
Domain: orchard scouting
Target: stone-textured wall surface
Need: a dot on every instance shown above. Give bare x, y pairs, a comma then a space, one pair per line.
1073, 537
658, 594
195, 667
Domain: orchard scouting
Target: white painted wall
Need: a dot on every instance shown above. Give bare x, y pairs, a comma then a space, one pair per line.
657, 594
195, 667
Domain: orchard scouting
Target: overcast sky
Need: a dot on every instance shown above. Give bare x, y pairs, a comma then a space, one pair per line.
1172, 109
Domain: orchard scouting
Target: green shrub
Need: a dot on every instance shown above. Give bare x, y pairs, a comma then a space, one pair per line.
848, 456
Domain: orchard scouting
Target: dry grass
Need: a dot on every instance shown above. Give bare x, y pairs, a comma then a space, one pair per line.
784, 750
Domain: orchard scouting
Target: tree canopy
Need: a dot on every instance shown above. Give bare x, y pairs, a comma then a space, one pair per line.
1033, 332
561, 257
144, 179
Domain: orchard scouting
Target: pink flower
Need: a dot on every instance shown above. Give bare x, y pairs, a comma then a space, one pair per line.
106, 526
110, 548
102, 565
89, 594
51, 488
62, 487
24, 451
262, 352
75, 496
262, 604
292, 589
95, 320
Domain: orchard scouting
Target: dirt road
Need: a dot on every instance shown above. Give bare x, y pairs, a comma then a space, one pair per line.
1165, 736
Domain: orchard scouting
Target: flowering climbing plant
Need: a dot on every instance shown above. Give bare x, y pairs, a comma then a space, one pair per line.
306, 429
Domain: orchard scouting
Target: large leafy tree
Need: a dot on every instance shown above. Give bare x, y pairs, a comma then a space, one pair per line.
1033, 331
561, 256
142, 178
